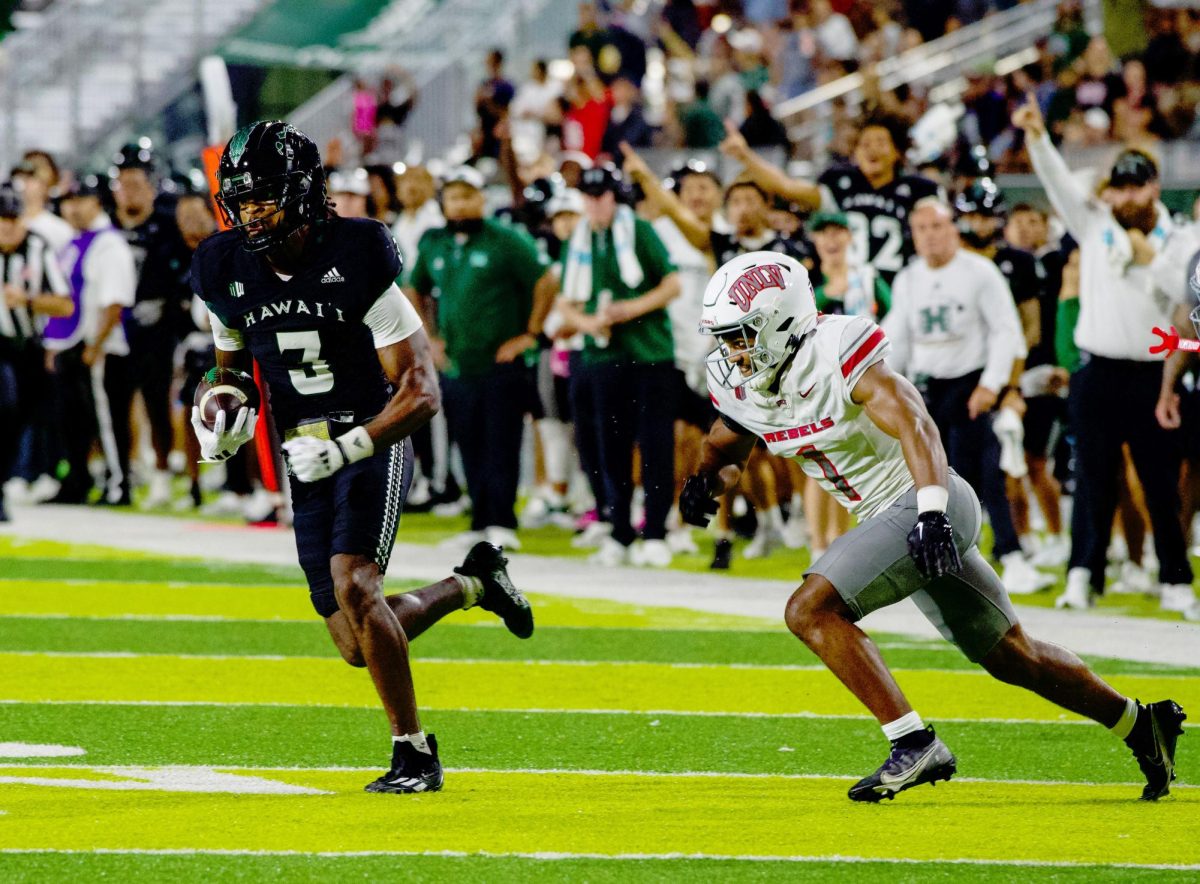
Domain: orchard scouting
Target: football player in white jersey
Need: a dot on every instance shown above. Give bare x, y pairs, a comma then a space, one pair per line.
817, 389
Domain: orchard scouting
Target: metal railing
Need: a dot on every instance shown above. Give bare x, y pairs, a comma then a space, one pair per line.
995, 40
90, 65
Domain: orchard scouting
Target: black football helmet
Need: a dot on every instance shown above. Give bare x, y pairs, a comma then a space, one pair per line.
984, 199
136, 155
271, 161
11, 204
981, 197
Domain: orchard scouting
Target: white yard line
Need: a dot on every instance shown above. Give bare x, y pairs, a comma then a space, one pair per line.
552, 856
659, 713
1121, 637
482, 661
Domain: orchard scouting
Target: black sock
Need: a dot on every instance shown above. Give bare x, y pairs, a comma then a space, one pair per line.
916, 740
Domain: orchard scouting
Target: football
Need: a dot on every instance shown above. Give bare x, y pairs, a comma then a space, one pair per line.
227, 390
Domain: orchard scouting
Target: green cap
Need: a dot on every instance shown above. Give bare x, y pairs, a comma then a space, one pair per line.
821, 220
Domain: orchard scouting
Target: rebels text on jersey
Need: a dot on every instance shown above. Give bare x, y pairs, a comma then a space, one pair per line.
878, 218
813, 420
307, 332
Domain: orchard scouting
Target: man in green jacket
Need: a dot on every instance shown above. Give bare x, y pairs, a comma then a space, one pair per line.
486, 291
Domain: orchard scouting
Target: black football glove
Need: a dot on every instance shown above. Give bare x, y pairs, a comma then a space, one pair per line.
931, 545
696, 504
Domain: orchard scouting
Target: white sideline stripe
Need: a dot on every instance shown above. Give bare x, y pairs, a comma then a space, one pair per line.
683, 713
550, 856
479, 661
567, 771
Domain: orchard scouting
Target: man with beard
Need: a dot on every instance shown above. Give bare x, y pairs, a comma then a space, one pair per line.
1122, 241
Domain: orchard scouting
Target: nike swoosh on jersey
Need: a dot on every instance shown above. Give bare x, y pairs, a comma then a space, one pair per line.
804, 395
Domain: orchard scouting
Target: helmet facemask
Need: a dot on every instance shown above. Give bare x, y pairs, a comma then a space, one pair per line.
288, 193
739, 360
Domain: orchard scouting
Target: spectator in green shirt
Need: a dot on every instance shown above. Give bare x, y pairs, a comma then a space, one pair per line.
702, 128
486, 290
840, 287
617, 280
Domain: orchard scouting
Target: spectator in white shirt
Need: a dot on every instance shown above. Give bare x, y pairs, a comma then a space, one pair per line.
101, 267
419, 211
534, 105
955, 332
835, 34
1124, 243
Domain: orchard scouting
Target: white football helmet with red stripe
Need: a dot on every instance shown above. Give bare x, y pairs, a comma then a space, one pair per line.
758, 306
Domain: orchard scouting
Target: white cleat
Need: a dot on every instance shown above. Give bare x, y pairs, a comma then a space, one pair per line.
1192, 614
765, 541
681, 543
1178, 597
44, 488
1133, 581
1078, 594
160, 491
611, 554
505, 538
1053, 552
462, 541
1020, 577
795, 533
592, 537
650, 554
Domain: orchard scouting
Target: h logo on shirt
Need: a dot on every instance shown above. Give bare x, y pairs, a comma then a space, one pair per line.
939, 317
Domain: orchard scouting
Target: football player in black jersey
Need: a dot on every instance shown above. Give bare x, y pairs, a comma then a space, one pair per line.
981, 213
312, 297
875, 197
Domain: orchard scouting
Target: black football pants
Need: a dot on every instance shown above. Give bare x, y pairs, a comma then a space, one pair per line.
582, 392
635, 403
486, 416
973, 452
1112, 402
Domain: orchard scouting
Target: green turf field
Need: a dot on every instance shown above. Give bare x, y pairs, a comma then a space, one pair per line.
203, 728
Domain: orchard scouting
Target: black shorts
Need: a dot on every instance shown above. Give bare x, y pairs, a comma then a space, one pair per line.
1042, 413
692, 407
354, 512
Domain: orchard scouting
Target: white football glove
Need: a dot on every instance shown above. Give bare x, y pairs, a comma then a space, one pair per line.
312, 459
219, 444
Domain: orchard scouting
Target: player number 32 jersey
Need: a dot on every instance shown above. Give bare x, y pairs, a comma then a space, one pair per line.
813, 420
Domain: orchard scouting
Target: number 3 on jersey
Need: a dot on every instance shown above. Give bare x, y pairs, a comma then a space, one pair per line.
311, 374
878, 240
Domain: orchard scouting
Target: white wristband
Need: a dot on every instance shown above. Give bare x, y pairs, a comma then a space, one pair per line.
356, 444
932, 498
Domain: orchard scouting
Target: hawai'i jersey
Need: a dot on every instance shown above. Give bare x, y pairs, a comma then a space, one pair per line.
314, 334
878, 218
813, 420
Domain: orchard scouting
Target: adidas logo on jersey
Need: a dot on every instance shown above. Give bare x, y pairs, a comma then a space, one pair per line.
332, 275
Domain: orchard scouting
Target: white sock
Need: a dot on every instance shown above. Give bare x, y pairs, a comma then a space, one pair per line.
472, 589
797, 510
1028, 542
1124, 726
418, 741
773, 517
906, 724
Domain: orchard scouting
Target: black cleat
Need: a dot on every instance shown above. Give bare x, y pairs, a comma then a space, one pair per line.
722, 555
487, 562
912, 762
412, 771
1157, 729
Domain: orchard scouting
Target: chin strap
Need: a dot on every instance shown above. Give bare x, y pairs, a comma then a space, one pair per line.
1171, 342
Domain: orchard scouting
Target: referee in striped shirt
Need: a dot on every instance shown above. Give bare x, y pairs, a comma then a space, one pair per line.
34, 289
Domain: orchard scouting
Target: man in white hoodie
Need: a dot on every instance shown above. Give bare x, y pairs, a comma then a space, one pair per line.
1123, 243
